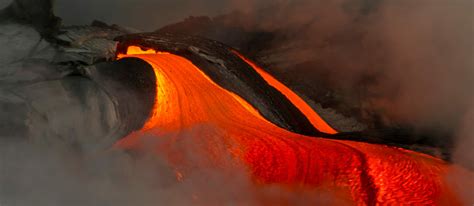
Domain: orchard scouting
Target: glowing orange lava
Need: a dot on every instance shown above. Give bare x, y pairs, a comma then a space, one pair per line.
366, 174
312, 116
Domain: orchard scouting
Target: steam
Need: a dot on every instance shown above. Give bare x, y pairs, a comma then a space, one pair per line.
410, 61
463, 152
420, 51
464, 155
58, 175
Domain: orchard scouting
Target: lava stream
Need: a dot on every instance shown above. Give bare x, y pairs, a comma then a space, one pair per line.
312, 116
366, 174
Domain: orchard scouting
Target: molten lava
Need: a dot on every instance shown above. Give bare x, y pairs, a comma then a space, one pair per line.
365, 174
304, 108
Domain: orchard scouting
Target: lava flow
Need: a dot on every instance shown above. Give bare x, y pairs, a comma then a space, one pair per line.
312, 116
365, 174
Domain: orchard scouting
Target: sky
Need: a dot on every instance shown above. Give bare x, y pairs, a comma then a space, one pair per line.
140, 14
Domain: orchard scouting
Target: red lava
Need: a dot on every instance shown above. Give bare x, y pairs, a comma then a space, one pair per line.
366, 174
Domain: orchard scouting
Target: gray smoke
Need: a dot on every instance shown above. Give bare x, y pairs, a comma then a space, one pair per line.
57, 175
